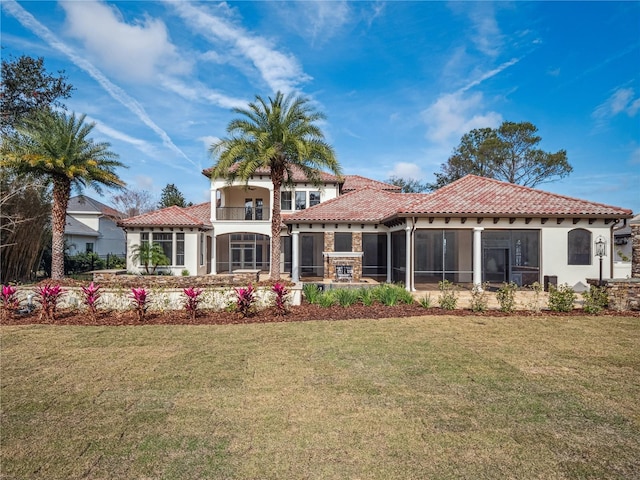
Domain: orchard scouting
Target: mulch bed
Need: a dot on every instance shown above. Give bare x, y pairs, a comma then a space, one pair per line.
299, 313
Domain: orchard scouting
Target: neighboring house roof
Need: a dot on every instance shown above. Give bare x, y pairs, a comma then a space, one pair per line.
74, 227
197, 216
84, 204
298, 175
356, 182
474, 195
471, 195
625, 230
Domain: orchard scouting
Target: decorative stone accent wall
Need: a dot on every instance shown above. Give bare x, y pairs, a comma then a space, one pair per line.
635, 251
329, 241
331, 261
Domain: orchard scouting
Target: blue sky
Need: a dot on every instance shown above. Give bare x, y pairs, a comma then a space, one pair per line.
400, 82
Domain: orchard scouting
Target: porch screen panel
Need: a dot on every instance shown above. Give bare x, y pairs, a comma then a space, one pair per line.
511, 256
398, 256
311, 260
286, 249
443, 255
374, 261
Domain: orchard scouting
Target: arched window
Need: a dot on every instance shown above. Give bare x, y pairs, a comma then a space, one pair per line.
579, 247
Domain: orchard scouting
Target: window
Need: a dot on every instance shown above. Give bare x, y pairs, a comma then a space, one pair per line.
248, 209
201, 249
165, 240
259, 207
144, 237
285, 200
342, 242
301, 200
314, 198
180, 249
579, 247
88, 247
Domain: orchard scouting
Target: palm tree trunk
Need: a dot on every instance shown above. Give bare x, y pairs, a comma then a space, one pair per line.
276, 226
61, 192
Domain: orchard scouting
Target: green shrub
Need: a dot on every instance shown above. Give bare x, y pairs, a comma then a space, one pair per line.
595, 300
311, 292
479, 300
534, 305
425, 301
448, 298
327, 299
387, 294
404, 296
346, 297
185, 273
366, 297
561, 298
506, 296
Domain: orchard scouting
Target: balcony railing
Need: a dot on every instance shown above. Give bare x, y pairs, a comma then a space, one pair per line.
242, 213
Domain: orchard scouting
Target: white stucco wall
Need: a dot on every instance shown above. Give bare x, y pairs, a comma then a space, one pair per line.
91, 220
191, 253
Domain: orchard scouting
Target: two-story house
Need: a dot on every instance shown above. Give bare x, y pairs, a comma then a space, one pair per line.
92, 228
472, 231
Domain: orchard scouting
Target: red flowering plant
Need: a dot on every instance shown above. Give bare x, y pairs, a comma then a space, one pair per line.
90, 296
281, 293
48, 296
192, 300
139, 299
245, 299
9, 299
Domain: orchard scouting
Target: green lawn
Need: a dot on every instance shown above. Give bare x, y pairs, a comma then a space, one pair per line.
432, 397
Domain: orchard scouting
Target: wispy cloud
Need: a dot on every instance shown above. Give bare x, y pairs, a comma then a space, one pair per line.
117, 93
406, 170
454, 114
316, 21
279, 71
621, 101
195, 91
131, 52
489, 74
142, 145
487, 36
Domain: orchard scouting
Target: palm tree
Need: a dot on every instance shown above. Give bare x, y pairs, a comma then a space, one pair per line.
150, 255
55, 146
279, 134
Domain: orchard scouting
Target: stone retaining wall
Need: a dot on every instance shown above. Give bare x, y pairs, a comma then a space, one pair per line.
115, 278
623, 294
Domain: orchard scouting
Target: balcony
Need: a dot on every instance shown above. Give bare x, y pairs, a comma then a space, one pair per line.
241, 214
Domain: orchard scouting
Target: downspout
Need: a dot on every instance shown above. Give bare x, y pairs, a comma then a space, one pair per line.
611, 242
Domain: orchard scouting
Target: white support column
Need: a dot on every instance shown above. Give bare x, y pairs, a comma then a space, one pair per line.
295, 260
388, 257
407, 273
214, 270
477, 256
214, 205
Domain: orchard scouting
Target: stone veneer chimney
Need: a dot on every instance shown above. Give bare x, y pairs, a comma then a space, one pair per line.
635, 250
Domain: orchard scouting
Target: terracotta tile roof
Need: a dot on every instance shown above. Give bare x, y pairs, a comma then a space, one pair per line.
364, 205
298, 175
357, 182
469, 196
174, 216
473, 195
